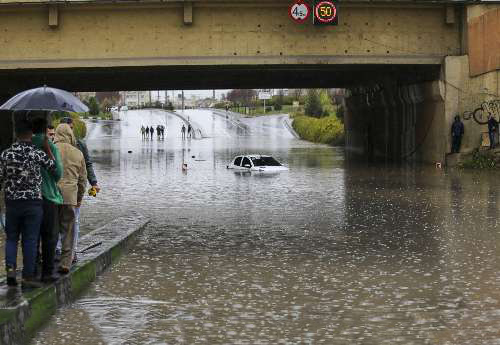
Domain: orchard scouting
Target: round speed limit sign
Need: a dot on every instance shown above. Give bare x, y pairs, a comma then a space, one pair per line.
299, 12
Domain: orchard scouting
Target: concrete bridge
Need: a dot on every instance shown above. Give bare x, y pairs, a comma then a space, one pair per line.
396, 57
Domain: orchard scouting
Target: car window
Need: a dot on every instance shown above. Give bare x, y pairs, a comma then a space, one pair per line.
265, 161
237, 161
246, 161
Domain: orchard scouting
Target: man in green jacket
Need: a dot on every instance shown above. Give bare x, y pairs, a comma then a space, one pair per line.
52, 198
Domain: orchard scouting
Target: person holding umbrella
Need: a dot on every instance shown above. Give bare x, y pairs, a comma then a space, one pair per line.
47, 99
20, 174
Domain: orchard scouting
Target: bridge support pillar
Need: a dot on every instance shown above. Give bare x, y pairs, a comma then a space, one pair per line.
394, 123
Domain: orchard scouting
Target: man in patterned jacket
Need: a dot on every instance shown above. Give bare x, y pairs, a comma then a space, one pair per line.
20, 175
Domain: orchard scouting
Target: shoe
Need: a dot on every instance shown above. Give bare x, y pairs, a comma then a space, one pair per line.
63, 270
11, 276
49, 279
31, 283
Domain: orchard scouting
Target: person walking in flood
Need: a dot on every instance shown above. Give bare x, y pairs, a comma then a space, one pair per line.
151, 132
190, 130
72, 186
143, 132
492, 131
21, 178
183, 131
158, 131
457, 132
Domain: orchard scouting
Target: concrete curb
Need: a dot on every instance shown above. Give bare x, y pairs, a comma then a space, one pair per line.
23, 313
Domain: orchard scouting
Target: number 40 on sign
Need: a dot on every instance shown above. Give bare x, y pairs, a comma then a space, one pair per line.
300, 11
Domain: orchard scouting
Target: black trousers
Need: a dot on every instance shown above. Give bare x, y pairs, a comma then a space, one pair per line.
49, 232
457, 139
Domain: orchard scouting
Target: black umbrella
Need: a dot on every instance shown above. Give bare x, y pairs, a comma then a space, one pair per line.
45, 98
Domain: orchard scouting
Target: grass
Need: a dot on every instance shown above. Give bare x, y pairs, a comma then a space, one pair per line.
325, 130
259, 111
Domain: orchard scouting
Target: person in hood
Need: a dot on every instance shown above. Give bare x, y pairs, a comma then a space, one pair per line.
72, 186
91, 177
457, 132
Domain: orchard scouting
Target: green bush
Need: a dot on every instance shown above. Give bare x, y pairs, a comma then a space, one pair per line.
93, 106
313, 103
326, 130
480, 161
79, 127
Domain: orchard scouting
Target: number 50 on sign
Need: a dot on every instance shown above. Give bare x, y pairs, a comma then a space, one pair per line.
299, 11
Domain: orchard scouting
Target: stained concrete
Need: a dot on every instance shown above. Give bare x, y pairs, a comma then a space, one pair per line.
22, 313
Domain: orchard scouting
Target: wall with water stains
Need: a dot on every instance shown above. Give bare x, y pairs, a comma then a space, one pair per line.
396, 122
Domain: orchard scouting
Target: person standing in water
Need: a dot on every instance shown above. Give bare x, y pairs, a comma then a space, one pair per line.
183, 131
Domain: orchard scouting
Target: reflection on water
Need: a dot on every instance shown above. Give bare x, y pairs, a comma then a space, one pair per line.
329, 252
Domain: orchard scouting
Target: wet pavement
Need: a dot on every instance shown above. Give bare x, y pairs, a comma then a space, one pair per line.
330, 252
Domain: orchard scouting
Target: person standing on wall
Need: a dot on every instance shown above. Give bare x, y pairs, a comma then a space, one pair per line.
91, 177
492, 131
457, 132
21, 178
52, 198
72, 186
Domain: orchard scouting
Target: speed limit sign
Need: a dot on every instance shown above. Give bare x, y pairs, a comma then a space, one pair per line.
299, 11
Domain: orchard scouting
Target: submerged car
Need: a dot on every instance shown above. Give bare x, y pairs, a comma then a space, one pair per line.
256, 163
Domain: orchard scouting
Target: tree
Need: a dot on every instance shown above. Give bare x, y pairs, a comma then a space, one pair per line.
313, 104
278, 104
241, 96
326, 103
93, 106
297, 93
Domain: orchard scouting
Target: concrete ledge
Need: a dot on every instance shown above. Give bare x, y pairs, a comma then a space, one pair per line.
23, 313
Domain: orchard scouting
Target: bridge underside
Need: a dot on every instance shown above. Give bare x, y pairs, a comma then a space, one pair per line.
214, 77
389, 55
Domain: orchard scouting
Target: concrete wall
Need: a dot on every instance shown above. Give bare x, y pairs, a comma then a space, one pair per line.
396, 122
221, 33
466, 96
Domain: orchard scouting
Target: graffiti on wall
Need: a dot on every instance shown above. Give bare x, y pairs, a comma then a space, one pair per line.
481, 114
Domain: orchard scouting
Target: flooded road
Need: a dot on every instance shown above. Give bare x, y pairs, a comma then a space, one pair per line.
330, 252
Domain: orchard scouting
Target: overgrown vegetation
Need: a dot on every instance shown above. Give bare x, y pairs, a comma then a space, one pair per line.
481, 160
326, 130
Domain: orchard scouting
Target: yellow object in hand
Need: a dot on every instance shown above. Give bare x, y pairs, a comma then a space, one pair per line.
93, 192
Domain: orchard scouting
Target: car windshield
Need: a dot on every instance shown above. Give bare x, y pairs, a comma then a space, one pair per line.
265, 161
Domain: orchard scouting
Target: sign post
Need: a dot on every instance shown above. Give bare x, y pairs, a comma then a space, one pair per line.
263, 95
299, 11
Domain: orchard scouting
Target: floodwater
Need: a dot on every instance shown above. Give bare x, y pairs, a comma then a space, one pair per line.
330, 252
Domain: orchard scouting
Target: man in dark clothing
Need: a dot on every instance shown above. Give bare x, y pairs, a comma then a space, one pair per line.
492, 130
457, 131
189, 130
20, 173
52, 198
152, 131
